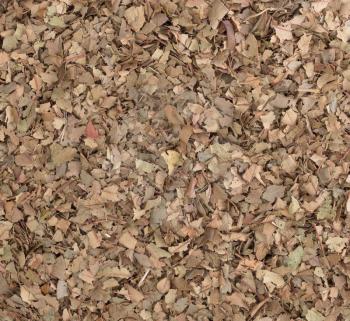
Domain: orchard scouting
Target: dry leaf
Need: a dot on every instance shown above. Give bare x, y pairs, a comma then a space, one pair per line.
86, 276
144, 167
134, 295
135, 16
284, 32
273, 192
336, 244
295, 257
61, 289
173, 159
110, 193
231, 41
127, 240
314, 315
173, 116
216, 13
26, 295
163, 286
94, 239
61, 155
9, 43
90, 130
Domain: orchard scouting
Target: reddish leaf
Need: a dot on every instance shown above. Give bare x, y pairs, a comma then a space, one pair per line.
231, 41
91, 131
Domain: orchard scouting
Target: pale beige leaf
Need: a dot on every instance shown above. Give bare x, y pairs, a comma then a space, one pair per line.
163, 286
216, 13
128, 240
172, 159
135, 16
134, 295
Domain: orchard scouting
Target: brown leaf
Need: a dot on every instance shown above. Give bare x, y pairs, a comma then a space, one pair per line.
231, 41
173, 116
134, 295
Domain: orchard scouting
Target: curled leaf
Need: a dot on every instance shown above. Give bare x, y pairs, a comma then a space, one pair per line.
231, 41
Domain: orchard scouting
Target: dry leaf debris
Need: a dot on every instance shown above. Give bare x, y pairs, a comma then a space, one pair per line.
175, 160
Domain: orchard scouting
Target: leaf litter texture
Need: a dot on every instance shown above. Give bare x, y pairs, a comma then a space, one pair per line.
174, 160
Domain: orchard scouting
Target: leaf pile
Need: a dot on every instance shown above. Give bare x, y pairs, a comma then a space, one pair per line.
174, 160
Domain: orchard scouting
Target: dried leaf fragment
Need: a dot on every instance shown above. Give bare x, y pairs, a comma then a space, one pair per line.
295, 257
231, 41
271, 279
128, 240
273, 192
336, 244
163, 286
9, 43
135, 16
111, 193
61, 155
172, 159
134, 295
91, 131
216, 13
173, 116
56, 21
314, 315
144, 167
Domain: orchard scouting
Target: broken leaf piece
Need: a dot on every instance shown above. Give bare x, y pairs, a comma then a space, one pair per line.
114, 272
326, 211
144, 167
295, 257
61, 155
135, 16
216, 13
9, 43
57, 22
172, 159
127, 240
336, 244
273, 192
90, 130
314, 315
271, 279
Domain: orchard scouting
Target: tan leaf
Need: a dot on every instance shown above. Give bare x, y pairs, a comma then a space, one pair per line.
289, 118
336, 244
36, 83
173, 116
216, 13
111, 193
94, 239
26, 295
284, 32
173, 159
86, 276
127, 240
163, 286
135, 16
9, 43
61, 155
114, 272
268, 119
134, 295
237, 299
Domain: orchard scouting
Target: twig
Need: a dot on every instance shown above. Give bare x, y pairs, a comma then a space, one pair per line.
143, 278
262, 12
